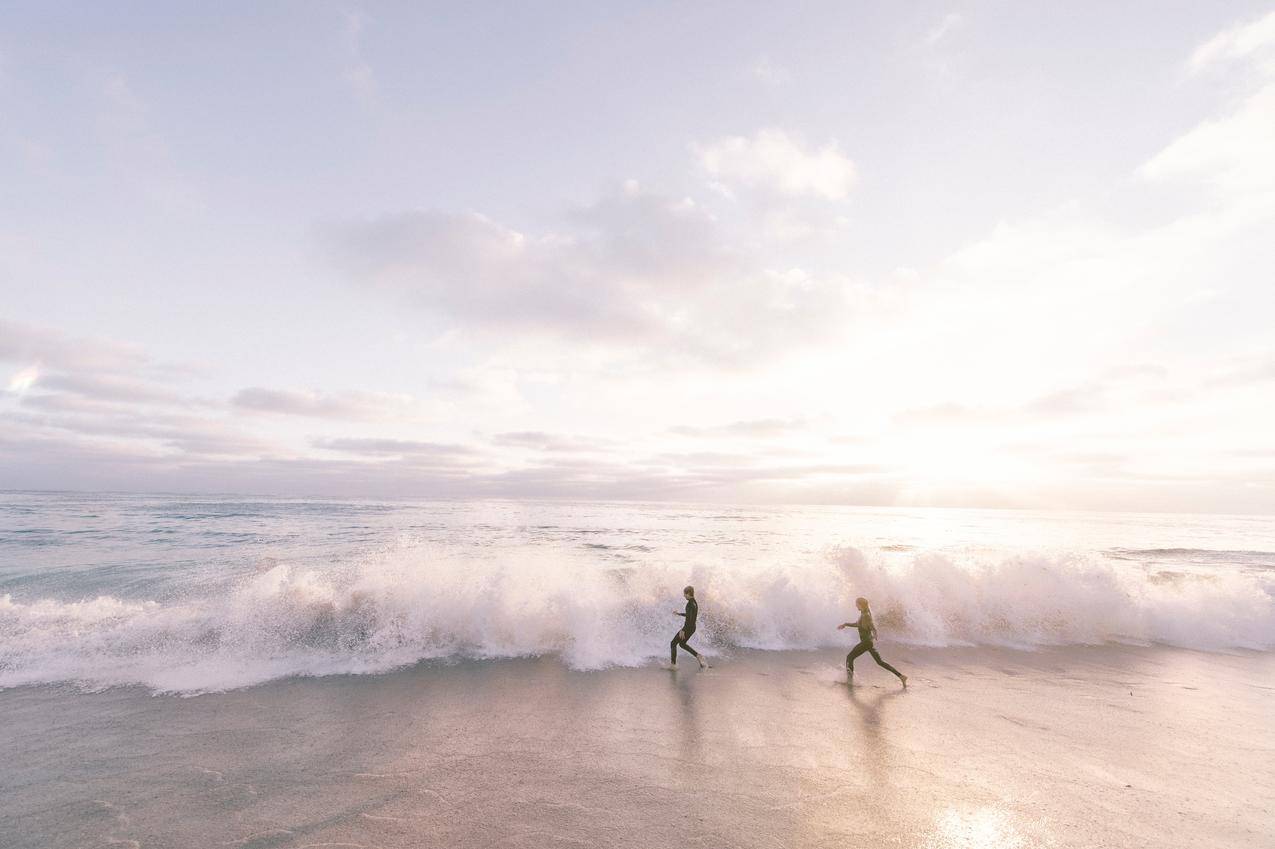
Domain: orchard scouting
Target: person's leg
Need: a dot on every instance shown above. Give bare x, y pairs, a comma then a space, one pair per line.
672, 648
854, 652
685, 643
881, 663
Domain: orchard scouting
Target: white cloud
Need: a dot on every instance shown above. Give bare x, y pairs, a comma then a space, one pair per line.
787, 225
1231, 153
600, 321
311, 403
538, 440
749, 429
775, 162
437, 452
635, 271
1254, 40
26, 342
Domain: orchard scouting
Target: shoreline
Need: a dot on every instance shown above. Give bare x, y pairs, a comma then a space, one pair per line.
1122, 746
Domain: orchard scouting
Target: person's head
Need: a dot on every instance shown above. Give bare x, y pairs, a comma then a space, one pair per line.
861, 603
689, 592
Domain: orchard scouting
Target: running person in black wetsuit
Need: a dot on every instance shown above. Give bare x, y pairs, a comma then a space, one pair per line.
867, 636
682, 636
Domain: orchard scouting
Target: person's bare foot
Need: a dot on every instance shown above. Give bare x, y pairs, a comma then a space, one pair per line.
703, 664
904, 679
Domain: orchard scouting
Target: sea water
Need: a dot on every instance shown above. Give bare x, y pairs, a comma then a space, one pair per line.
191, 594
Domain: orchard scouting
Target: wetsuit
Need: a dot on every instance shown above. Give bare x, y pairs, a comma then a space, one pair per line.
867, 634
680, 638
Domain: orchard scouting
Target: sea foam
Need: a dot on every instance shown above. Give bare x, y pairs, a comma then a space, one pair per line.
408, 605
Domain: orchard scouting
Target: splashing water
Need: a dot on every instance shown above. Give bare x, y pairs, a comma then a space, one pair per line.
186, 596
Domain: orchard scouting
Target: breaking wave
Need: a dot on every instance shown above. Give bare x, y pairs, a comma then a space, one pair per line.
404, 607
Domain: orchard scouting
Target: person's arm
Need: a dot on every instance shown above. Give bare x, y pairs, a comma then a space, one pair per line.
854, 624
679, 613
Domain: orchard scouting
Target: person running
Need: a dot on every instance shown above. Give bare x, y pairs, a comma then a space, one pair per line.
867, 638
684, 635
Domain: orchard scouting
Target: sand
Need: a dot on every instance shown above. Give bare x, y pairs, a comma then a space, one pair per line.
1110, 746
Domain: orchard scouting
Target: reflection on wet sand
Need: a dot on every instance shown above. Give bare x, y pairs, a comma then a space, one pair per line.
873, 747
768, 751
686, 716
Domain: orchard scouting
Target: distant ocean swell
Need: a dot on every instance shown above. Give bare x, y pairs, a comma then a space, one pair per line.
406, 606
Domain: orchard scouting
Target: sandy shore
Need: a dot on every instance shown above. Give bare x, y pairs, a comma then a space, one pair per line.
1137, 747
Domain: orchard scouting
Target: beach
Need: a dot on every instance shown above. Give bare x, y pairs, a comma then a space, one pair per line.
386, 389
180, 671
1102, 746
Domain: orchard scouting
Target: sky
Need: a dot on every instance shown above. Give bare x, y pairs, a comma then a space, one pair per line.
979, 254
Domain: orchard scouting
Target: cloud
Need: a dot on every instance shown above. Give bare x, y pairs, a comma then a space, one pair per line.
1135, 384
752, 428
107, 399
651, 274
1242, 372
601, 275
26, 343
321, 405
65, 423
774, 162
1081, 399
210, 461
1254, 40
542, 441
1043, 301
1231, 153
786, 225
437, 451
945, 414
113, 388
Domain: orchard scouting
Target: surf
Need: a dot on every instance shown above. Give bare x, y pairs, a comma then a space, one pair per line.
410, 604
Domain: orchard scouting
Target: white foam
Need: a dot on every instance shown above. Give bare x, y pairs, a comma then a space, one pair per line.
407, 606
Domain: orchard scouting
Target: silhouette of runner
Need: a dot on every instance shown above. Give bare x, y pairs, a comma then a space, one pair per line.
684, 635
867, 638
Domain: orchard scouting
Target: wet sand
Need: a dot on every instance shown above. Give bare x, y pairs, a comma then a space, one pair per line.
1131, 747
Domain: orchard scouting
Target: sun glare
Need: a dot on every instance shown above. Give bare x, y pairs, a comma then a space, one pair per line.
24, 379
932, 464
984, 828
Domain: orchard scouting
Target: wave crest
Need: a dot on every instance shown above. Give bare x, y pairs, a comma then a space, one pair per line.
404, 607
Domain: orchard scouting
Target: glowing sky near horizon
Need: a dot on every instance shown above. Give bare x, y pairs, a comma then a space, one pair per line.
972, 254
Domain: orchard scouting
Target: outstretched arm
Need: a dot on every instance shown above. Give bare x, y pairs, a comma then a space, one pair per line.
679, 613
844, 625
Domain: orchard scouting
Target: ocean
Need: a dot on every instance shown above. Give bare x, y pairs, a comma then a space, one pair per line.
199, 594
